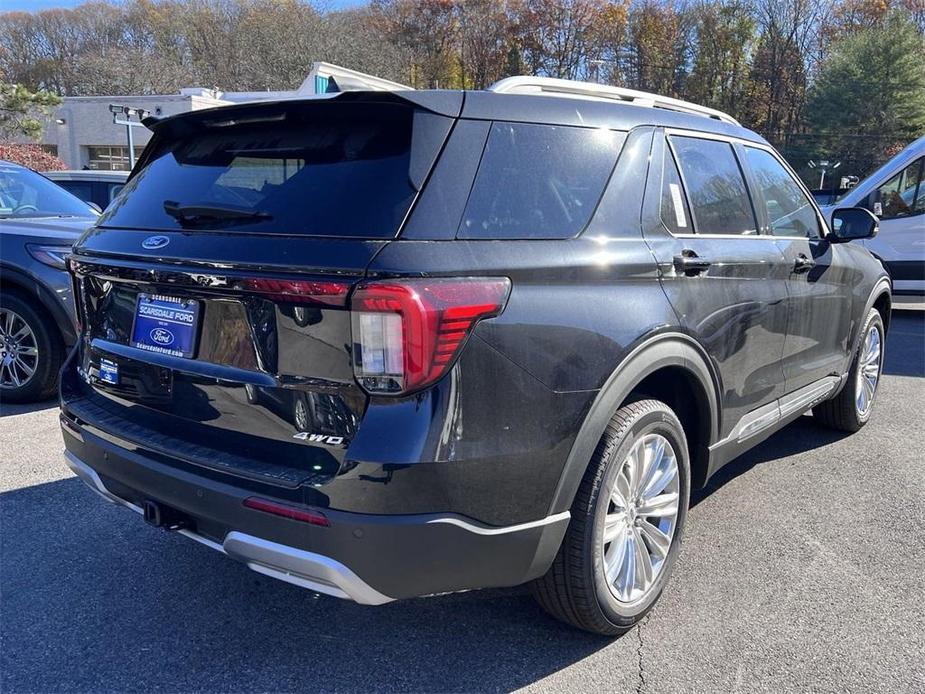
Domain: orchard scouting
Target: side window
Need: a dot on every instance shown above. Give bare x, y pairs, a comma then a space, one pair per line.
675, 213
902, 195
790, 211
715, 185
539, 181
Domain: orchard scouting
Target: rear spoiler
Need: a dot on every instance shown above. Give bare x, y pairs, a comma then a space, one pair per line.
442, 102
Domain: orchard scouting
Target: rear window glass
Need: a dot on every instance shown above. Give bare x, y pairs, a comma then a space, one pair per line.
539, 181
317, 170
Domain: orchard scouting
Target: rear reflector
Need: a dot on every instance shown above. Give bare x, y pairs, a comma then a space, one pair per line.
300, 291
407, 333
291, 512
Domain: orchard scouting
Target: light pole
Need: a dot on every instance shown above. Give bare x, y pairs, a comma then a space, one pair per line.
127, 112
824, 165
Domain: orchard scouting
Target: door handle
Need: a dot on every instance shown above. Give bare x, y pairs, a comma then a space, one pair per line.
690, 263
803, 264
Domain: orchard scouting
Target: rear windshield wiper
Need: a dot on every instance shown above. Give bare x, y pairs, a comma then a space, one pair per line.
208, 212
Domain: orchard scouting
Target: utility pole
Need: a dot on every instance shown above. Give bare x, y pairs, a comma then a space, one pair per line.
127, 113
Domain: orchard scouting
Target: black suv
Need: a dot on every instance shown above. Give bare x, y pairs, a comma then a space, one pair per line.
384, 345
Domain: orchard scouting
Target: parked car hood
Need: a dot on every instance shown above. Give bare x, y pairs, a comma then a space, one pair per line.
65, 229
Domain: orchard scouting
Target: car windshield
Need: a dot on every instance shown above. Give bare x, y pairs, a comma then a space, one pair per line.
24, 193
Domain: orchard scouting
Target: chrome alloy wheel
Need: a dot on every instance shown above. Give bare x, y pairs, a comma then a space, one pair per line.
642, 514
19, 350
868, 371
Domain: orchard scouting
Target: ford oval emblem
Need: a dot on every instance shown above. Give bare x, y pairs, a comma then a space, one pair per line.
162, 336
155, 242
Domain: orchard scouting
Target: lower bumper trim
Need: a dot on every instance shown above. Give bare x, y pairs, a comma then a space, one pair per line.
299, 567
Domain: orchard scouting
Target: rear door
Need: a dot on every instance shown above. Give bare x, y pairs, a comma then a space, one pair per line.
726, 281
821, 273
213, 292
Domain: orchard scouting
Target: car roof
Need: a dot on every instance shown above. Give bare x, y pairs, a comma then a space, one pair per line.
488, 105
591, 112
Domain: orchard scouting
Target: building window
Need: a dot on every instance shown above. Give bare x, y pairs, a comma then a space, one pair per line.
50, 149
110, 158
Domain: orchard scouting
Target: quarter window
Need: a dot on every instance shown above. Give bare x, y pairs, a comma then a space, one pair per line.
715, 185
539, 181
790, 212
902, 195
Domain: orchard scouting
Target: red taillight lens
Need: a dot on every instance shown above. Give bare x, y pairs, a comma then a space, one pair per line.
406, 333
299, 514
300, 291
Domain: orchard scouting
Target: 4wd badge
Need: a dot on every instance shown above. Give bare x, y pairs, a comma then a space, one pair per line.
320, 438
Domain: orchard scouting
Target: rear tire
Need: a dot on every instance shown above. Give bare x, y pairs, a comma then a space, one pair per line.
27, 332
851, 408
597, 585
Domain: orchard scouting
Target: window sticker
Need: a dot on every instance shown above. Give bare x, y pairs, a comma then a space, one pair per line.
678, 204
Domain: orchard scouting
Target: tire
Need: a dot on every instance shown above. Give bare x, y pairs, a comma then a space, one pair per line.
44, 345
575, 589
846, 411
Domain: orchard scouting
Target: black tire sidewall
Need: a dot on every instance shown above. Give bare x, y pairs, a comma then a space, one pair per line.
46, 372
659, 421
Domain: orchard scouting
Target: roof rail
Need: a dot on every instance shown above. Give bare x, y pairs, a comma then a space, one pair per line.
589, 90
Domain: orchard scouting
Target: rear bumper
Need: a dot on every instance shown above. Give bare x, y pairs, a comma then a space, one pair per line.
370, 559
289, 564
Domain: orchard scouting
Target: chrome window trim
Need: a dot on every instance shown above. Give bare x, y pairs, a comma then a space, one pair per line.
669, 149
733, 140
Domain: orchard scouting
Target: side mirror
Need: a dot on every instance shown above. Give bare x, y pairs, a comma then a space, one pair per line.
97, 208
850, 223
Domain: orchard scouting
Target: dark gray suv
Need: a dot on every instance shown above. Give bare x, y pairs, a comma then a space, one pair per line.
38, 223
384, 345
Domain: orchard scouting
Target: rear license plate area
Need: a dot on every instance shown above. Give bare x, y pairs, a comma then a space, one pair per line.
165, 324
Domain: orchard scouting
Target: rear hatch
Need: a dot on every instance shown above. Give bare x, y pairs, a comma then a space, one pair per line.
213, 291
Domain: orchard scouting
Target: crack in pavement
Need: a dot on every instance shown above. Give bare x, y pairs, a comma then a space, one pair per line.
639, 657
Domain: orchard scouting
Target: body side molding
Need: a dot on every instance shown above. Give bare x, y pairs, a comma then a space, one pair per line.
757, 425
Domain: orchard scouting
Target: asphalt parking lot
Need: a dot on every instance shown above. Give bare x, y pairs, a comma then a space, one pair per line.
803, 569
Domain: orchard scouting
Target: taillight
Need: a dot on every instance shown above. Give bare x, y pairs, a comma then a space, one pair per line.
406, 333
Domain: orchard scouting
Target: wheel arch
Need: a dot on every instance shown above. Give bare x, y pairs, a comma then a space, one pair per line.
879, 298
651, 369
13, 279
884, 305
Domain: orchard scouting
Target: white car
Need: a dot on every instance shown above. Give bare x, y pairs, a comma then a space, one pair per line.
896, 194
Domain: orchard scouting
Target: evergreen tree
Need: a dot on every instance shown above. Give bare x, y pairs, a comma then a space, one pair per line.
869, 98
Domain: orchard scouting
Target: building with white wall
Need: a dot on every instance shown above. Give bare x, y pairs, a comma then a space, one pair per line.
83, 135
